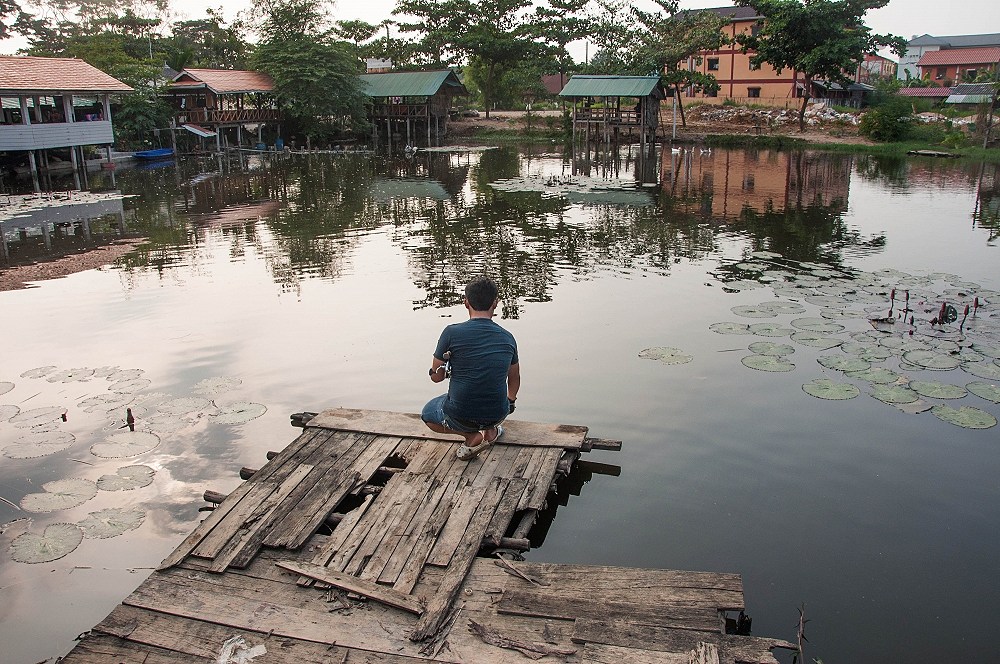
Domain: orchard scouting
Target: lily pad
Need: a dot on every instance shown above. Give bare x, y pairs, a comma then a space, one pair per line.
930, 359
129, 386
817, 325
767, 363
824, 388
126, 444
38, 416
105, 402
183, 405
765, 255
664, 354
753, 311
125, 374
70, 375
40, 372
127, 478
987, 349
845, 364
111, 522
729, 328
894, 394
165, 423
878, 375
914, 407
985, 391
56, 541
105, 371
981, 369
241, 412
751, 266
966, 416
771, 348
784, 307
5, 387
43, 443
60, 495
212, 386
770, 330
7, 411
816, 340
936, 390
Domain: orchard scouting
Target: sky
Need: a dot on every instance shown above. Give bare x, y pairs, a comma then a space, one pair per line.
906, 18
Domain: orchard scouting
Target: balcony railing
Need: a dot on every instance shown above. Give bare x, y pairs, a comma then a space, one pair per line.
206, 116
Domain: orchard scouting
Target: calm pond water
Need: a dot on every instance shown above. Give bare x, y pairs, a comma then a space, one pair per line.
321, 281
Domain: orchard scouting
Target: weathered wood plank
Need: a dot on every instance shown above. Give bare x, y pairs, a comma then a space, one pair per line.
746, 649
505, 510
340, 534
356, 585
375, 455
465, 504
235, 497
427, 536
411, 535
465, 554
542, 603
427, 454
247, 539
541, 482
426, 490
598, 653
368, 526
102, 649
400, 498
409, 425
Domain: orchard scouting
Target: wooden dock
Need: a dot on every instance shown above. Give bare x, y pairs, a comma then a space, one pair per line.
366, 540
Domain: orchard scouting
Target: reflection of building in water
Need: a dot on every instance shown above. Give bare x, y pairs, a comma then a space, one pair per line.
231, 197
724, 183
987, 212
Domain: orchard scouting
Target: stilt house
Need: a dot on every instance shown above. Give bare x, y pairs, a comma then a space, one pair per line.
411, 104
207, 102
607, 105
54, 103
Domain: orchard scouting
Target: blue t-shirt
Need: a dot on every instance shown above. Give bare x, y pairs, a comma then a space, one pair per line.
481, 354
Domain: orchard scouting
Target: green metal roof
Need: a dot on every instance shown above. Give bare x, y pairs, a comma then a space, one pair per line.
410, 83
613, 86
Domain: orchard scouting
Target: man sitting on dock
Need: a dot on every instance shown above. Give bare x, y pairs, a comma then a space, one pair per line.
481, 359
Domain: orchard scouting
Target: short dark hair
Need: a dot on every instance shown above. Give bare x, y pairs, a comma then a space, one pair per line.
481, 293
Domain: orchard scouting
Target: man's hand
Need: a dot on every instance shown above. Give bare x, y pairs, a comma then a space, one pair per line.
511, 404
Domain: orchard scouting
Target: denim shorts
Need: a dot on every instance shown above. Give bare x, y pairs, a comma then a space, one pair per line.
434, 412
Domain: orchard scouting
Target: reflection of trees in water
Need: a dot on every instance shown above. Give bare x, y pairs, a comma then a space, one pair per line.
987, 212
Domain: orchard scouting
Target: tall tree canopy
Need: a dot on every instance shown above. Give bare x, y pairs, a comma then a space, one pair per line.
315, 76
821, 39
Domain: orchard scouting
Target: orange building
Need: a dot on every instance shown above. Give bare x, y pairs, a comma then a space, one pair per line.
731, 67
950, 66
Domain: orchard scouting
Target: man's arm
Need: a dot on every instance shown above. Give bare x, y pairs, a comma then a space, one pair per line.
513, 381
437, 371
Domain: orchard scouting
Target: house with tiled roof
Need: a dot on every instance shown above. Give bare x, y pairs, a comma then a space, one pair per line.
921, 45
54, 103
219, 102
947, 67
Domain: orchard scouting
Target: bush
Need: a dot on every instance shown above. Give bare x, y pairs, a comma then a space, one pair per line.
890, 121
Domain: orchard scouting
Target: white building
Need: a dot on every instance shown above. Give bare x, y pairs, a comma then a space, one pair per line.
918, 46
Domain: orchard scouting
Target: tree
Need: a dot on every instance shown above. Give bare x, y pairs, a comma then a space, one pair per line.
436, 21
558, 24
315, 77
821, 39
356, 32
208, 42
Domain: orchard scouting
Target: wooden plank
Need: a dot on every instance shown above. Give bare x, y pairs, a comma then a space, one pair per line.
247, 539
356, 585
746, 649
232, 500
425, 489
414, 565
260, 486
427, 454
401, 493
102, 649
410, 536
341, 532
372, 520
375, 455
466, 502
540, 484
409, 425
465, 554
543, 603
305, 509
598, 653
505, 510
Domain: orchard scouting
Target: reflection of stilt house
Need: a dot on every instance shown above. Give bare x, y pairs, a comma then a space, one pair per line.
605, 106
411, 104
208, 102
54, 103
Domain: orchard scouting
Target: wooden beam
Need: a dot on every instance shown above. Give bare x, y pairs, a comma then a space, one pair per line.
355, 585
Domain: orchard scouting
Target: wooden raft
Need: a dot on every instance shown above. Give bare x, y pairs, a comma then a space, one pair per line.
400, 579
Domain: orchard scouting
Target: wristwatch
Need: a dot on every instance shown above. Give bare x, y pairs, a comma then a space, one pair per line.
431, 372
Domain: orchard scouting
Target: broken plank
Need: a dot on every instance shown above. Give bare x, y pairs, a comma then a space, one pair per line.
402, 497
465, 504
549, 603
540, 484
599, 653
414, 565
426, 491
341, 532
465, 554
374, 455
356, 585
505, 511
409, 425
407, 543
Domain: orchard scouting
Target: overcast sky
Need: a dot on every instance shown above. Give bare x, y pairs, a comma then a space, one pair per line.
906, 18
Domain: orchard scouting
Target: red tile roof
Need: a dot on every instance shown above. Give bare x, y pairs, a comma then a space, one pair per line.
961, 56
924, 92
224, 81
20, 74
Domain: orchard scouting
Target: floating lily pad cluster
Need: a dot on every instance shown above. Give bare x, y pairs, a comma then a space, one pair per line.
896, 336
58, 540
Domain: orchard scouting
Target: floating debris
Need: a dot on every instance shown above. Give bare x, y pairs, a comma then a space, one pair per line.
666, 355
39, 444
60, 495
966, 416
111, 522
824, 388
242, 412
56, 541
127, 478
126, 444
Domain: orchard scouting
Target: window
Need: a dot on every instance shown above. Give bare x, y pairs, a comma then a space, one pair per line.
970, 75
748, 182
713, 64
941, 73
755, 28
753, 92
